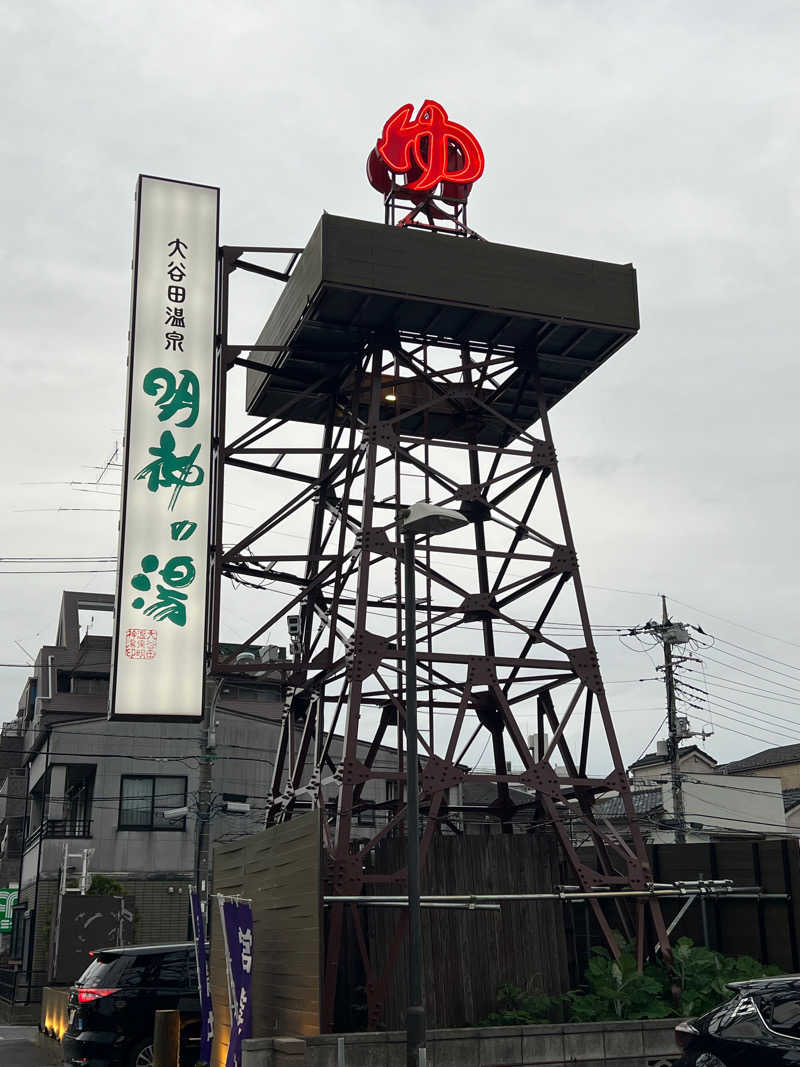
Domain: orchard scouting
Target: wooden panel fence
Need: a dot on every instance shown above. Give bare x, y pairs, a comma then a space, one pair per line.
279, 871
469, 954
765, 928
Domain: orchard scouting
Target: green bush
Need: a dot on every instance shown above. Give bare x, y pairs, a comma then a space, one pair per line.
703, 975
615, 989
102, 885
520, 1007
618, 990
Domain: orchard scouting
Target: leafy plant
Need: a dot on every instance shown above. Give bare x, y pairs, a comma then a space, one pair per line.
703, 975
695, 982
618, 990
102, 885
521, 1007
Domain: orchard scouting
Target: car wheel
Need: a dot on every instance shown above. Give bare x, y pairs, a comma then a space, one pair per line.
142, 1054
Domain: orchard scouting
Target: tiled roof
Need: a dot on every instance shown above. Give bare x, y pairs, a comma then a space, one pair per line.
768, 757
644, 802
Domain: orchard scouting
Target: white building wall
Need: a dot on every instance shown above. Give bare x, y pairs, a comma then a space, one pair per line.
728, 803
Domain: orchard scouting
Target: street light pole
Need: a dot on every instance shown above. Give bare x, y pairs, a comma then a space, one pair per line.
428, 520
415, 1025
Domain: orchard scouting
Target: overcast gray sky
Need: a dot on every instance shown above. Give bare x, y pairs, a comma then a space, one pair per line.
663, 134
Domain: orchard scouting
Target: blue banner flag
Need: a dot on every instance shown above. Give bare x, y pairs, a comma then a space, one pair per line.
203, 978
238, 923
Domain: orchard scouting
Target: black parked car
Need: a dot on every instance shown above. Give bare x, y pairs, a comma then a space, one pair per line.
758, 1027
112, 1006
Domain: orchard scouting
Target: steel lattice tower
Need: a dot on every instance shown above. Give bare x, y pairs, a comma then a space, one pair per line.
395, 395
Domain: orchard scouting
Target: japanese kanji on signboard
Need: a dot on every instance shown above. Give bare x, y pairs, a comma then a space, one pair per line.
163, 558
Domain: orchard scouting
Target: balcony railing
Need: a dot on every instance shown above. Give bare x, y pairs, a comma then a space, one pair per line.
64, 828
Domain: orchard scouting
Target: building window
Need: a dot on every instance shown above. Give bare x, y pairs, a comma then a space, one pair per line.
145, 798
90, 686
244, 693
366, 817
18, 922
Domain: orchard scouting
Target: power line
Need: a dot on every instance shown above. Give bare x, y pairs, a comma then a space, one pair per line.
652, 739
744, 687
112, 570
771, 731
774, 829
58, 559
628, 592
725, 702
737, 704
740, 626
753, 652
758, 677
713, 780
755, 663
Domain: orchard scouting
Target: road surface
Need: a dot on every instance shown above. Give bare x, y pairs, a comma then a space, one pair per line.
18, 1048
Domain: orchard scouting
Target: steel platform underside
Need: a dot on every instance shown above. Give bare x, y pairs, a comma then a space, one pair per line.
359, 282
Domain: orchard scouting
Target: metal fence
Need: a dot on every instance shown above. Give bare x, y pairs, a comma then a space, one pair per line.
19, 987
61, 828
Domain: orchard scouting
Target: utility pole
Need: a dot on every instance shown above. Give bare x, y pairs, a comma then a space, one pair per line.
672, 726
671, 633
208, 743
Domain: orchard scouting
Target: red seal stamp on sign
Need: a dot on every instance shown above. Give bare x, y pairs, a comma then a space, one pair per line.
141, 644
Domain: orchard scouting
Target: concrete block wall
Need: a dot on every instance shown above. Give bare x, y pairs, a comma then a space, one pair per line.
649, 1043
162, 913
162, 909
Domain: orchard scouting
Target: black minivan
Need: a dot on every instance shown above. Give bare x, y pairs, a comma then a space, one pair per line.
112, 1006
758, 1027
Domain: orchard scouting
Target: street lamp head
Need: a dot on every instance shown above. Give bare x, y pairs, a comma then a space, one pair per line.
427, 519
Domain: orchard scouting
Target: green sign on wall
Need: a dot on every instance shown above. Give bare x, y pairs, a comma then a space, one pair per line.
8, 898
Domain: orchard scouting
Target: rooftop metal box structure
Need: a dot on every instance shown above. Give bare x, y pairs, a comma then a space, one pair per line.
359, 280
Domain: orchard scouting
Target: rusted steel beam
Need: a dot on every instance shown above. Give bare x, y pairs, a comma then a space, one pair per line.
484, 604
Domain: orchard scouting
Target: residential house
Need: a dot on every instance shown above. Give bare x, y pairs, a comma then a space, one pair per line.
791, 808
656, 766
114, 787
715, 807
12, 810
782, 762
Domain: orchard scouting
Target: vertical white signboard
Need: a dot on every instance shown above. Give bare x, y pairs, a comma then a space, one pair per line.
160, 616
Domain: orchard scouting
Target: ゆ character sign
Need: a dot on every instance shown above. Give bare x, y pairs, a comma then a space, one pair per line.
429, 148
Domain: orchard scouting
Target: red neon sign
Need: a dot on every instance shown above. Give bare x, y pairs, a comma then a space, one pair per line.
428, 149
